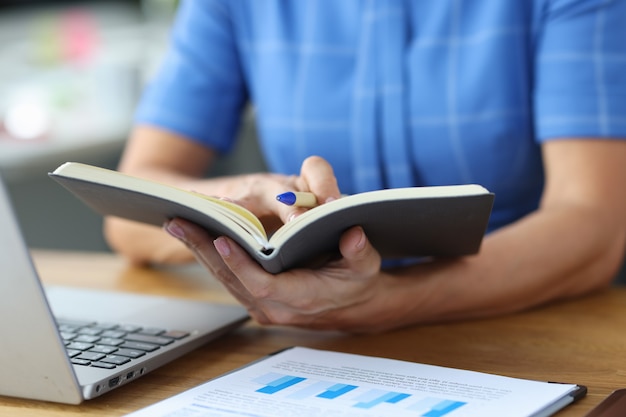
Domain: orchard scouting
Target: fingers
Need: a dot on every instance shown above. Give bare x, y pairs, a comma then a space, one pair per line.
324, 298
204, 249
257, 192
336, 296
319, 178
263, 291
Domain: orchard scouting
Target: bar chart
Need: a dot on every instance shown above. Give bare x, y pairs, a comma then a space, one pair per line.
299, 388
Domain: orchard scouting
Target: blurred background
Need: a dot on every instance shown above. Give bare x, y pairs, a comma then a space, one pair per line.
71, 73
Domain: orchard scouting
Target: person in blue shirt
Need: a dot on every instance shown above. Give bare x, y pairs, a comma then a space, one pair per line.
527, 98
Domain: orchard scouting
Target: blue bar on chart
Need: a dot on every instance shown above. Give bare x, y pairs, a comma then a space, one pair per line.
336, 390
374, 397
435, 407
276, 382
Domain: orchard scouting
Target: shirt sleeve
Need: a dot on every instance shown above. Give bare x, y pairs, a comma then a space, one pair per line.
198, 91
580, 78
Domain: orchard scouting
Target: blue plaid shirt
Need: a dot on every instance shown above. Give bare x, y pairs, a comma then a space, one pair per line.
399, 93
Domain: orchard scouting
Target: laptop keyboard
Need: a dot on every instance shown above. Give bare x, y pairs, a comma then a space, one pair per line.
108, 345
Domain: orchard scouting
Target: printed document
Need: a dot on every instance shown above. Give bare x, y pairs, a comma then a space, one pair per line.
302, 382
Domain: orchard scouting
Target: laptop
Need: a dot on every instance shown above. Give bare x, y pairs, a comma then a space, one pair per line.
67, 345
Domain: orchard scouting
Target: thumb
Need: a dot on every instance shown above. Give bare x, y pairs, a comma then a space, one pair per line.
357, 251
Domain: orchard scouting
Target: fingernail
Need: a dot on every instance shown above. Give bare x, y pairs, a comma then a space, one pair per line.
175, 230
222, 246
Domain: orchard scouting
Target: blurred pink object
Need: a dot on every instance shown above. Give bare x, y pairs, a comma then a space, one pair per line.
79, 36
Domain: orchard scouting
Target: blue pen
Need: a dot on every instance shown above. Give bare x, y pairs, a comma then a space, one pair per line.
298, 199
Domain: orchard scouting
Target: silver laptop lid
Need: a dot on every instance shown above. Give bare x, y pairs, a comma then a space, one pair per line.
34, 363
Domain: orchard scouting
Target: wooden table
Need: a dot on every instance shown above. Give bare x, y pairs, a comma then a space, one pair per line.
581, 341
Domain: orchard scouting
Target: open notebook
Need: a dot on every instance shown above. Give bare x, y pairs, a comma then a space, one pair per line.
68, 345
